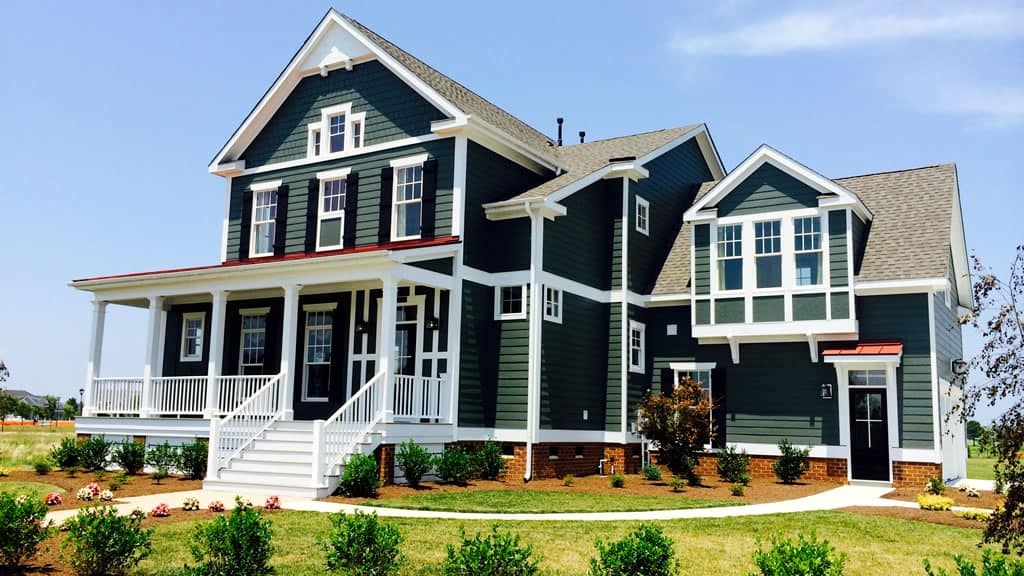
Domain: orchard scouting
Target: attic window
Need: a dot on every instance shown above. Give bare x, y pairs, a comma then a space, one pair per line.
643, 216
338, 131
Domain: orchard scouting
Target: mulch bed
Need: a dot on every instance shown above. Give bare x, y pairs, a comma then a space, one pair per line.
760, 490
944, 517
138, 485
987, 500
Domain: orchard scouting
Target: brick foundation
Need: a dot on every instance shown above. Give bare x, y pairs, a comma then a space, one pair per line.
824, 469
914, 474
385, 457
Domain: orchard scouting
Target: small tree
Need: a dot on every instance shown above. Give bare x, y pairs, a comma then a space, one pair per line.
680, 423
359, 545
645, 550
792, 463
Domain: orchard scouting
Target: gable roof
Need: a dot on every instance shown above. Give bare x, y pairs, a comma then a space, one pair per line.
924, 201
27, 397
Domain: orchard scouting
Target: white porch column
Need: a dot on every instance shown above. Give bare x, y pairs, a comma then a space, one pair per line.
216, 348
156, 306
386, 343
288, 368
99, 316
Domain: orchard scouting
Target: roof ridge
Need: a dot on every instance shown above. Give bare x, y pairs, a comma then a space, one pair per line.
684, 126
896, 171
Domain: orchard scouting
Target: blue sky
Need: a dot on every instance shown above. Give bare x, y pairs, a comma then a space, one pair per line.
110, 113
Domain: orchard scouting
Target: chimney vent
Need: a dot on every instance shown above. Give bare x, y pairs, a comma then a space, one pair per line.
583, 136
559, 120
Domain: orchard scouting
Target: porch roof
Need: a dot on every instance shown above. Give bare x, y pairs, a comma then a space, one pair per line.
865, 348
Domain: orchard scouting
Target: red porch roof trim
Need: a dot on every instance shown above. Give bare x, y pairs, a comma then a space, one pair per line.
866, 348
404, 245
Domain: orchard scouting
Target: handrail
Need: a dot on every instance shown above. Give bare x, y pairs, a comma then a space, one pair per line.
420, 397
120, 396
232, 434
178, 395
337, 437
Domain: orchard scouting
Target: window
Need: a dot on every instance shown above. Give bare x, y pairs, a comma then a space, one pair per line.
867, 378
768, 253
636, 347
253, 341
510, 303
342, 130
643, 213
807, 250
552, 304
264, 217
192, 336
357, 133
730, 257
317, 373
314, 140
702, 377
408, 202
336, 132
331, 223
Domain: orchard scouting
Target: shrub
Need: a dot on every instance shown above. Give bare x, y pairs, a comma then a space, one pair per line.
42, 467
66, 454
72, 471
618, 481
652, 472
158, 475
359, 545
680, 424
120, 479
808, 556
94, 453
733, 465
497, 554
677, 484
992, 564
453, 467
737, 489
488, 461
53, 499
162, 458
933, 502
233, 545
645, 550
192, 459
130, 456
22, 528
976, 515
414, 461
568, 480
935, 486
792, 462
360, 477
191, 504
102, 542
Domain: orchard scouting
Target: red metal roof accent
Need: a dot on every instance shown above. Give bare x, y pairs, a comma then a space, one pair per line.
866, 348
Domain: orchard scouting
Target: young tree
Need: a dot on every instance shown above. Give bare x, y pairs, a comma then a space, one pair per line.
680, 423
999, 304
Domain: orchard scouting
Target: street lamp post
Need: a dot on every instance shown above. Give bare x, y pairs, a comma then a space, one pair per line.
81, 401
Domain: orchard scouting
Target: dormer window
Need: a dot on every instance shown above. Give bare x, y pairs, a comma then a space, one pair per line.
338, 131
807, 248
768, 253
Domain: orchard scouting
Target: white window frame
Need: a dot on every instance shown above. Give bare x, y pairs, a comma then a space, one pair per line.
185, 318
325, 177
692, 368
780, 253
498, 291
349, 145
259, 189
643, 216
820, 250
308, 309
264, 312
639, 329
719, 258
403, 164
553, 300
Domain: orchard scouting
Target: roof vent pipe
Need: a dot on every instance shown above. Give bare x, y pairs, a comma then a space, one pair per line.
559, 120
583, 135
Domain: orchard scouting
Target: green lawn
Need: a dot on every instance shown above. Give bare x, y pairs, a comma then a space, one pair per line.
705, 546
524, 501
22, 446
39, 488
980, 468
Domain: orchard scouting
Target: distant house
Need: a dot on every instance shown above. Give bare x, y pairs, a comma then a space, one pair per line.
402, 259
28, 398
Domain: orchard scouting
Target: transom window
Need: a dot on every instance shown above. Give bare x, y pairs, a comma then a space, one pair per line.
636, 347
807, 250
730, 257
643, 214
552, 304
192, 336
867, 378
331, 223
254, 343
510, 302
264, 217
319, 332
408, 202
768, 253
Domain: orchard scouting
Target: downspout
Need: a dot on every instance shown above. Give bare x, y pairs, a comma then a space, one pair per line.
533, 362
624, 401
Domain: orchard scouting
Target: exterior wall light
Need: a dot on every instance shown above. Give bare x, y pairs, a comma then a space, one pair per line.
433, 323
826, 391
360, 326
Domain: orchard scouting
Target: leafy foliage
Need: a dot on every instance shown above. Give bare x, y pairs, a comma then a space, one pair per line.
679, 422
935, 486
645, 551
497, 554
162, 457
66, 454
94, 453
22, 528
130, 456
42, 466
361, 477
792, 462
102, 542
192, 459
734, 466
992, 564
652, 473
234, 545
360, 545
934, 502
414, 461
808, 556
488, 461
453, 466
618, 481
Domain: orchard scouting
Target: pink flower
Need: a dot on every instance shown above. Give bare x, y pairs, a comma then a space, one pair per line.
216, 506
272, 503
161, 511
53, 499
94, 488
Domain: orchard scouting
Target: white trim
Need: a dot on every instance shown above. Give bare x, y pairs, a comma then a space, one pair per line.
958, 250
799, 329
624, 322
555, 303
307, 310
546, 436
254, 311
910, 286
933, 359
265, 186
185, 317
320, 307
370, 149
255, 223
916, 455
640, 327
335, 174
459, 185
643, 203
817, 451
225, 224
325, 178
891, 399
409, 161
692, 366
404, 164
498, 315
862, 359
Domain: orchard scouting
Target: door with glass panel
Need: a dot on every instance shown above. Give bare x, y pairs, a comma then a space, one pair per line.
316, 380
869, 429
408, 395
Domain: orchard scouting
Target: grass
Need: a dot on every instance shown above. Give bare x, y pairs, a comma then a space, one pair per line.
980, 468
39, 488
22, 446
875, 545
528, 501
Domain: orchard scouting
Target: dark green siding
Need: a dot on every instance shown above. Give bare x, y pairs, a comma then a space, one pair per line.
638, 384
393, 111
702, 258
613, 394
838, 259
905, 317
173, 365
767, 189
808, 307
578, 245
670, 189
769, 309
478, 359
513, 372
948, 339
840, 305
574, 366
440, 265
614, 194
703, 312
860, 239
495, 246
729, 310
368, 167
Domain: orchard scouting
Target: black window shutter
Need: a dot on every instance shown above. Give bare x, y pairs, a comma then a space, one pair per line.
668, 380
429, 199
281, 222
718, 411
386, 191
245, 233
351, 202
312, 208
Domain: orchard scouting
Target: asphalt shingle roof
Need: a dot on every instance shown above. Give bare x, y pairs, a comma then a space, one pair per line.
908, 238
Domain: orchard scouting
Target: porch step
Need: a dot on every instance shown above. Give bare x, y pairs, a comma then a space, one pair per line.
275, 456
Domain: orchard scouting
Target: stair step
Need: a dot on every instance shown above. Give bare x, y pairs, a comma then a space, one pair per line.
271, 478
294, 425
268, 489
277, 455
272, 467
289, 435
283, 445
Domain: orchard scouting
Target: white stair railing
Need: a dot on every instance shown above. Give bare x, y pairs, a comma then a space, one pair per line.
115, 396
337, 437
179, 396
233, 390
419, 397
233, 433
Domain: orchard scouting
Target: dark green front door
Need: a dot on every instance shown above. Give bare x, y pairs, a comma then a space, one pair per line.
869, 435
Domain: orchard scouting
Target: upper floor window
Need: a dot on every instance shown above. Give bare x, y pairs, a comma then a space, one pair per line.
338, 130
636, 347
192, 336
331, 214
768, 253
336, 127
643, 216
408, 205
552, 304
510, 302
807, 250
264, 218
730, 257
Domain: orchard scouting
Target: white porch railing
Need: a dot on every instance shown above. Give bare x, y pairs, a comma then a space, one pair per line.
232, 434
179, 396
115, 396
182, 396
336, 438
420, 397
237, 389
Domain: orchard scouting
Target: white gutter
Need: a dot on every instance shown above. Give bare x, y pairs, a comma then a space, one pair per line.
533, 363
625, 305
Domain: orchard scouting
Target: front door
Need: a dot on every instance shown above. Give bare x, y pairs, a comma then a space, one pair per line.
869, 435
406, 323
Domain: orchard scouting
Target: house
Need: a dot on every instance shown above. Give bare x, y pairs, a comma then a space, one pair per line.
27, 397
401, 259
